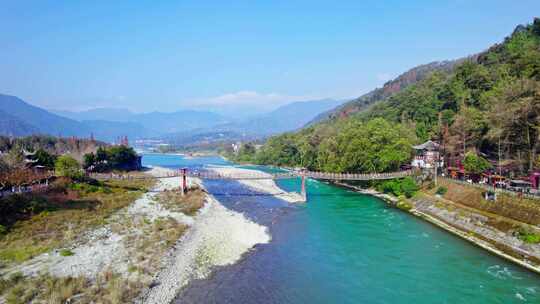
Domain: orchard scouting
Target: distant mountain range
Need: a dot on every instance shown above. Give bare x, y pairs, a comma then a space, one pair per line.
109, 114
286, 118
155, 123
13, 126
26, 119
19, 118
289, 117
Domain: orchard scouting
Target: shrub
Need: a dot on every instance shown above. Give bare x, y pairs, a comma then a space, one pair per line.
404, 205
391, 187
408, 187
528, 236
84, 188
66, 252
3, 230
15, 207
441, 190
16, 295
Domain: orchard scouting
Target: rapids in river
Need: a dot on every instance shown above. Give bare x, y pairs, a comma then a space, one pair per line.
345, 247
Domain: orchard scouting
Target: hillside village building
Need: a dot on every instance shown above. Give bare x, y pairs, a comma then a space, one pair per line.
427, 155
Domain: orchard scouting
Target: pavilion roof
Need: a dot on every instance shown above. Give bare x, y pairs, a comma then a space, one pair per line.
428, 145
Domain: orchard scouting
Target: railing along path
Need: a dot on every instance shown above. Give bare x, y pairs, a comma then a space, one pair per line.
266, 176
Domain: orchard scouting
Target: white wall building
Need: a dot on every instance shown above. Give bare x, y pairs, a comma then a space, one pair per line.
427, 155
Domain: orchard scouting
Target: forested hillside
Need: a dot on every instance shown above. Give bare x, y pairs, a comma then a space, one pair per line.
11, 149
391, 87
488, 105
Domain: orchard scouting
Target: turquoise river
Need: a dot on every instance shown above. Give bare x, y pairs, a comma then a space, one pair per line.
345, 247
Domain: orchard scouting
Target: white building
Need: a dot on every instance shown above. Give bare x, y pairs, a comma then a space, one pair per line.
236, 147
427, 155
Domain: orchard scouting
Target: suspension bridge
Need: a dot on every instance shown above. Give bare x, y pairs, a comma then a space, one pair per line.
184, 173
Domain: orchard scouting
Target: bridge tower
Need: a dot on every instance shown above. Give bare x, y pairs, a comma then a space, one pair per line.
303, 191
183, 186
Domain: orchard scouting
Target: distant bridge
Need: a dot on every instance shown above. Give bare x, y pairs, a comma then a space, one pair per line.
303, 174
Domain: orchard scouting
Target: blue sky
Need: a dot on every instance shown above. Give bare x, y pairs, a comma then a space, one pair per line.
169, 55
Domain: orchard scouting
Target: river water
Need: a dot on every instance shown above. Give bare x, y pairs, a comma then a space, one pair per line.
345, 247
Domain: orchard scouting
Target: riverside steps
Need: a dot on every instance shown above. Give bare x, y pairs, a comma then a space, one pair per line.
184, 173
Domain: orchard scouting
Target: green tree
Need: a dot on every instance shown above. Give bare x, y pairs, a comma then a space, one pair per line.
280, 151
67, 166
515, 118
468, 128
101, 154
121, 157
476, 79
377, 146
473, 163
328, 157
246, 153
89, 160
43, 158
14, 158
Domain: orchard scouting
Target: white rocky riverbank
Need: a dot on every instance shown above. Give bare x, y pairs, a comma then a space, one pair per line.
106, 248
215, 236
260, 185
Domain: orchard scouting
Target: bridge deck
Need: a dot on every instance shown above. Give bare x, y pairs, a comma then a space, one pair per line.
267, 176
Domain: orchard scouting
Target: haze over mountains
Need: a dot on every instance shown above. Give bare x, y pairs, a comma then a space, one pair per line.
19, 118
154, 122
289, 117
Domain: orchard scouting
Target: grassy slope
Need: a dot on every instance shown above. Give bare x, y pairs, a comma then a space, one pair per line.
522, 210
73, 212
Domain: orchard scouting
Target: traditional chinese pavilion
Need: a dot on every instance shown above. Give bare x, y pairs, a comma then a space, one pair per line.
426, 155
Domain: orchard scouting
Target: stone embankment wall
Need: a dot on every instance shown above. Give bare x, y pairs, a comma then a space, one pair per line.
491, 232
